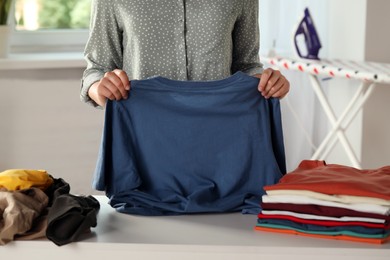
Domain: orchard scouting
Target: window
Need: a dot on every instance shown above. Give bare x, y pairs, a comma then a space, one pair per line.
52, 14
45, 25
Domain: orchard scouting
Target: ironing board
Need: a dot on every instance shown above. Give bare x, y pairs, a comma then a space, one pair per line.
368, 74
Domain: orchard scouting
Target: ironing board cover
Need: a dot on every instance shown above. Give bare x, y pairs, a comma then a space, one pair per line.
366, 71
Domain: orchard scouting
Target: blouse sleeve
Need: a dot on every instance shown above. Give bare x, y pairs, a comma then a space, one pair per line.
246, 38
103, 51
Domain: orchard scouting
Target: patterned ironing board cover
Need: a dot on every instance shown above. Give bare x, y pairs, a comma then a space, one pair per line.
366, 71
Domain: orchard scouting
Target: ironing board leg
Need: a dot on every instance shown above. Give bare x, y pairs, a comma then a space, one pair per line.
342, 117
369, 89
333, 120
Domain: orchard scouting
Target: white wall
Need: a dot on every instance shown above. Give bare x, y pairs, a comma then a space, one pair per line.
44, 125
346, 32
303, 127
376, 127
348, 29
358, 30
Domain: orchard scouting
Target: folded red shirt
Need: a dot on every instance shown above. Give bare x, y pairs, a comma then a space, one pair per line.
336, 179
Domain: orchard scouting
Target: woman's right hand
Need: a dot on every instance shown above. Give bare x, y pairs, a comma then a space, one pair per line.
115, 85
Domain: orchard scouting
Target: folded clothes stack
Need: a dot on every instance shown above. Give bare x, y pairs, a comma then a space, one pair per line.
329, 201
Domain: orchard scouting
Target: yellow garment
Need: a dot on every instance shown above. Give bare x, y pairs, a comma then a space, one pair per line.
19, 179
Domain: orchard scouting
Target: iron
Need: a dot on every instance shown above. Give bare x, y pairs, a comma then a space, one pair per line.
312, 41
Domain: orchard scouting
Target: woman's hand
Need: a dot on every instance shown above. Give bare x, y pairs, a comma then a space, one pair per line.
115, 85
273, 84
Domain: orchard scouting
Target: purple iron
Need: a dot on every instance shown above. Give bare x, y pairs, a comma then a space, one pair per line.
311, 39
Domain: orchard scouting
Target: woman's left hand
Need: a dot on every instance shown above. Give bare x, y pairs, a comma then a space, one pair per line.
273, 84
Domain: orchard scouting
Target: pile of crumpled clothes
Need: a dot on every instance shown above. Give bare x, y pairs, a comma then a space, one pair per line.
34, 204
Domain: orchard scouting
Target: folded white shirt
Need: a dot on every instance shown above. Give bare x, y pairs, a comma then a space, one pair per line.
350, 199
299, 199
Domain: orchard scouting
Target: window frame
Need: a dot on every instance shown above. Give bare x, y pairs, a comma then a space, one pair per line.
49, 40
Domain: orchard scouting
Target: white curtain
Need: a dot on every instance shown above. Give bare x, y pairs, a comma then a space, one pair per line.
303, 119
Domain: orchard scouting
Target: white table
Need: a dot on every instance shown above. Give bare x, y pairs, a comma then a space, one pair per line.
367, 74
216, 236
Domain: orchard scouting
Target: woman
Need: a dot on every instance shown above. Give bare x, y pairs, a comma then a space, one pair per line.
176, 39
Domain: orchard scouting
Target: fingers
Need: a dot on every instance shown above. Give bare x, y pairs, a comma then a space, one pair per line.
123, 77
108, 88
114, 85
273, 84
281, 90
264, 79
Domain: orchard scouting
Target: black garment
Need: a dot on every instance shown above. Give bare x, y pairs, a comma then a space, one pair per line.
70, 216
58, 188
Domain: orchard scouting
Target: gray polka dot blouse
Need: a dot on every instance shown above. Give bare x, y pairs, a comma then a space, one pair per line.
176, 39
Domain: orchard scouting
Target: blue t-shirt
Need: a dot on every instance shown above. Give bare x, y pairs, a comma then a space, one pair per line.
178, 147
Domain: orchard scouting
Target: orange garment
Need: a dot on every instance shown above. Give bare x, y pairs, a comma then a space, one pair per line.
339, 237
19, 179
336, 179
